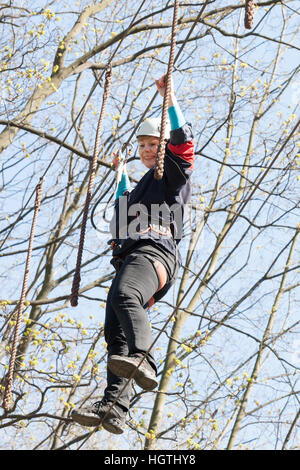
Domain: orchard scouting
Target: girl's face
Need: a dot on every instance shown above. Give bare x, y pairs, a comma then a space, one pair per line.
148, 147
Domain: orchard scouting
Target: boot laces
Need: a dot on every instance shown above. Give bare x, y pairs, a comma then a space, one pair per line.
99, 404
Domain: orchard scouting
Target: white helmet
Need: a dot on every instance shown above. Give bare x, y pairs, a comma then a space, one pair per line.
152, 127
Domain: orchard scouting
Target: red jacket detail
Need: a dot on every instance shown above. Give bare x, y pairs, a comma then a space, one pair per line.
185, 151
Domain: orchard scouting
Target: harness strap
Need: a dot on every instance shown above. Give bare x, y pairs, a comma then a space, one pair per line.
160, 229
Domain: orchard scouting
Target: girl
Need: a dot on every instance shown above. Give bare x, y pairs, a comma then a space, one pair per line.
146, 231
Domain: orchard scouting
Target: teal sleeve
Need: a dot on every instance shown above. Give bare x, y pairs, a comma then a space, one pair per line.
124, 185
176, 117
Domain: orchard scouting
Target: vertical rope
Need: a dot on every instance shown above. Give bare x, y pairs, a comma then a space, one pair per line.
76, 279
159, 164
10, 375
249, 14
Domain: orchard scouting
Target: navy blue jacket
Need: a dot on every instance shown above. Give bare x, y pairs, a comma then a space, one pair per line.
154, 209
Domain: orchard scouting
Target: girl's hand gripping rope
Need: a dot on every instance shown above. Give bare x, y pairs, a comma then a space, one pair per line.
119, 164
122, 180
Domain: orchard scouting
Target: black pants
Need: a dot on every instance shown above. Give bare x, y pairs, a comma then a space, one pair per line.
127, 329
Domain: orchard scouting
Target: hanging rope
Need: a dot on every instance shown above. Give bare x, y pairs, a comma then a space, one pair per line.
249, 14
10, 375
76, 279
159, 165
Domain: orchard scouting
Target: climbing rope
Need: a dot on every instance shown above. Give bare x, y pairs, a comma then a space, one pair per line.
76, 279
249, 14
159, 164
10, 375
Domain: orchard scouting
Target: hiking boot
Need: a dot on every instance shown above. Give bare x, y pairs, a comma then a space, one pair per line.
114, 417
124, 366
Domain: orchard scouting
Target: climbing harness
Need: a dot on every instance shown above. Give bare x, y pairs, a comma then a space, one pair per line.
76, 279
10, 376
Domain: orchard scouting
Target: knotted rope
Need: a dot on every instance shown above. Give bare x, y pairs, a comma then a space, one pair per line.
159, 164
76, 279
249, 14
10, 375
